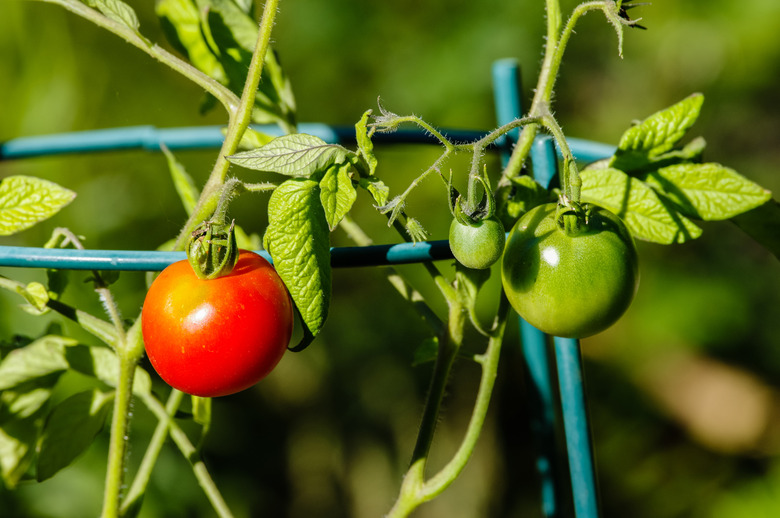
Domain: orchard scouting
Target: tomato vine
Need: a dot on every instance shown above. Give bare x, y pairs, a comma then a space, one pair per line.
649, 189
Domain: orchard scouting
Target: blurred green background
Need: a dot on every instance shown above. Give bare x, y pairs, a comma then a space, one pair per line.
684, 392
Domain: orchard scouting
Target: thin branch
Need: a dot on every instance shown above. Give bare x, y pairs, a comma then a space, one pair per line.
227, 98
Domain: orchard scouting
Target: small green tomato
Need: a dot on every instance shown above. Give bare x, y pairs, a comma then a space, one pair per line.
477, 245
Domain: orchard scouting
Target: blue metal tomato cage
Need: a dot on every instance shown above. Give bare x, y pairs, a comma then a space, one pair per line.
563, 363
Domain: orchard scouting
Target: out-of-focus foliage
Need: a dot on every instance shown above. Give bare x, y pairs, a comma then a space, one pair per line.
684, 391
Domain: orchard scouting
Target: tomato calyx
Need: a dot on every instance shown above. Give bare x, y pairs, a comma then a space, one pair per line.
212, 250
572, 217
473, 214
476, 237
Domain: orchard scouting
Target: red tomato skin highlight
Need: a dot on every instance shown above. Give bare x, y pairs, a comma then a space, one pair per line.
217, 337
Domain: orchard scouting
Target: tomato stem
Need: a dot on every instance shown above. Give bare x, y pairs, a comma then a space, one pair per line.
144, 473
238, 123
117, 450
411, 494
489, 363
555, 46
189, 451
415, 490
223, 94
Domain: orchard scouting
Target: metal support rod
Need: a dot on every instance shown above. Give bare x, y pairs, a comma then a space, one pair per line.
507, 91
576, 427
570, 384
150, 260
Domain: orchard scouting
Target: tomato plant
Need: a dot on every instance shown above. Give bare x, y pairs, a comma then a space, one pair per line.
570, 272
219, 336
570, 282
477, 245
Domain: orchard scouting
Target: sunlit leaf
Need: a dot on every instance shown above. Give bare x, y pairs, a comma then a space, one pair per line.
182, 181
337, 193
42, 357
25, 201
117, 11
365, 144
102, 364
298, 155
297, 239
707, 191
22, 410
646, 214
656, 135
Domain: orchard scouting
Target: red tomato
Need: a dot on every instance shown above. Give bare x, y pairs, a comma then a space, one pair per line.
217, 337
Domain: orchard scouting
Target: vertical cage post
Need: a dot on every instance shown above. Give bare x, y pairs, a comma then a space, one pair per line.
507, 94
567, 351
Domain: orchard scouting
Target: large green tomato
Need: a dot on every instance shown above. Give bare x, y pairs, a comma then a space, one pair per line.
571, 284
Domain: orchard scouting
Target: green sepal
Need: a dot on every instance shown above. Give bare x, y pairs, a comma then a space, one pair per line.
471, 215
212, 251
459, 214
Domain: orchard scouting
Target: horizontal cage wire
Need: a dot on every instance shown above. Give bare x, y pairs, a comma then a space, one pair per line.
150, 138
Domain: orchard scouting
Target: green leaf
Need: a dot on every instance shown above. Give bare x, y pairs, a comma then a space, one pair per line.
57, 281
42, 357
525, 194
181, 23
297, 238
337, 193
253, 139
365, 144
377, 188
656, 135
70, 429
218, 37
17, 449
245, 5
117, 11
763, 225
298, 155
182, 181
241, 27
25, 399
201, 410
25, 201
468, 282
426, 351
22, 410
707, 191
37, 295
102, 364
647, 215
232, 35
